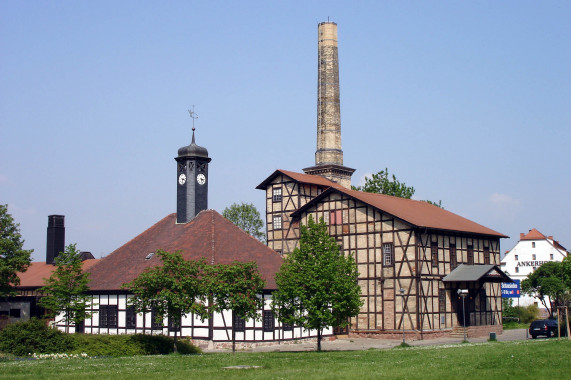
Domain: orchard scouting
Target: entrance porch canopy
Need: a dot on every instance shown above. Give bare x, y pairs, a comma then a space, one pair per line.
480, 273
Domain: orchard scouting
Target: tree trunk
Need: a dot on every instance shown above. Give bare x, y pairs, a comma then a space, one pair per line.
319, 340
174, 344
233, 339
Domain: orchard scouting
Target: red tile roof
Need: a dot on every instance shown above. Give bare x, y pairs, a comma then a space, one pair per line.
303, 178
533, 234
208, 235
418, 213
38, 271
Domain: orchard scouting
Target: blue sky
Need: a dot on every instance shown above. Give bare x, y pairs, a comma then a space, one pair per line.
469, 102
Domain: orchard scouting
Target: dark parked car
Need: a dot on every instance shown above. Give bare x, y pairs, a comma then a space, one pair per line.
545, 327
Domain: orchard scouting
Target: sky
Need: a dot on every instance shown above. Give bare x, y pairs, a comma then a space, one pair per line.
469, 102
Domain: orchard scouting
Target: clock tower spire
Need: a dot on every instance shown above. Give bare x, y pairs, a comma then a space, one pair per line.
192, 179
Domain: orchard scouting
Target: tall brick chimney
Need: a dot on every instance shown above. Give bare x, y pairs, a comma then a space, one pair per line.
56, 237
329, 155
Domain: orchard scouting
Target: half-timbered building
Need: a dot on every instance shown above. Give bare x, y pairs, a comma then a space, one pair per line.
412, 256
404, 250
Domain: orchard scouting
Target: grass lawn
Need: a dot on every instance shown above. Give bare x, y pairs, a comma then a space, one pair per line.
545, 358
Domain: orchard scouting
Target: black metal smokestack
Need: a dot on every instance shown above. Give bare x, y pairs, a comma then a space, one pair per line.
56, 237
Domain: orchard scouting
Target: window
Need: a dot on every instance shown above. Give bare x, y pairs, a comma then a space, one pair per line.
239, 323
388, 258
335, 217
453, 258
486, 255
131, 317
442, 300
268, 317
517, 269
532, 244
15, 313
277, 222
470, 255
277, 194
156, 319
434, 252
551, 256
287, 327
516, 257
108, 315
174, 323
533, 257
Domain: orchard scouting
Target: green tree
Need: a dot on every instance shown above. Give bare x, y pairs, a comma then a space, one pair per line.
380, 183
173, 289
247, 217
317, 285
236, 287
13, 258
65, 290
550, 284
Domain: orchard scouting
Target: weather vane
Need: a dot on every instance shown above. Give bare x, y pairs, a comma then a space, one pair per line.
193, 116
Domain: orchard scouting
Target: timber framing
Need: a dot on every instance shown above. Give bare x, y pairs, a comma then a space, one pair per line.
396, 246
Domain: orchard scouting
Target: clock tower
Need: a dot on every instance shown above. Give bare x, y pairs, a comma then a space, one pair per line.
191, 181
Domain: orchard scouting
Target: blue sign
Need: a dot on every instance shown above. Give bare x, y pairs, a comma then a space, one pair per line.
510, 289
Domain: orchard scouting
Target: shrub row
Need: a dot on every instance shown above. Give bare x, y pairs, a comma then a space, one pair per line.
33, 336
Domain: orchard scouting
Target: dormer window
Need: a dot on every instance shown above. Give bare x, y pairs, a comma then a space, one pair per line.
149, 256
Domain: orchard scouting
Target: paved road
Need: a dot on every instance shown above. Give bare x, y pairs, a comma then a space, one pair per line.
346, 344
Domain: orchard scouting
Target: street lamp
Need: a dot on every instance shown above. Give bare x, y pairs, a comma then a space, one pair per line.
402, 294
463, 293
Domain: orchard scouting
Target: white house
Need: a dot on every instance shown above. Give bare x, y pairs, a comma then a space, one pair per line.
531, 251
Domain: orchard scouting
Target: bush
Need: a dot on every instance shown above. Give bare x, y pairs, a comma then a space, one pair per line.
129, 345
23, 338
521, 314
527, 314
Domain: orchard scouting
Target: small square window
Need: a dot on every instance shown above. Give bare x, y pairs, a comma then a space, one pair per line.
287, 327
516, 257
268, 319
533, 257
388, 256
532, 244
277, 222
277, 194
239, 323
108, 315
551, 256
516, 269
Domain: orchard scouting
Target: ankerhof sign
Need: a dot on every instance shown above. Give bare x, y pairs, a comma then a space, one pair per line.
510, 289
530, 263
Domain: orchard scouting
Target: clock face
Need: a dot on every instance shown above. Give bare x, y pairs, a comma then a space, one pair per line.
182, 179
201, 179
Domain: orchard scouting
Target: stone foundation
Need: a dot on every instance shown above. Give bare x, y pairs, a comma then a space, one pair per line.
242, 346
